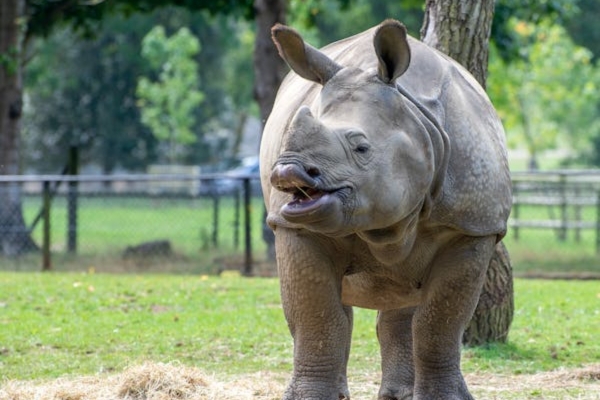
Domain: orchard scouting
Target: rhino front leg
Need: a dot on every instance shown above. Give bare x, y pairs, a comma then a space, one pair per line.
439, 322
320, 325
394, 331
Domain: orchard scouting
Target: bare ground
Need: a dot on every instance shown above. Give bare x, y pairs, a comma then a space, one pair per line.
157, 381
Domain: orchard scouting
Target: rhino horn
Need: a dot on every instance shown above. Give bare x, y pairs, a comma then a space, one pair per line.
303, 128
301, 57
391, 47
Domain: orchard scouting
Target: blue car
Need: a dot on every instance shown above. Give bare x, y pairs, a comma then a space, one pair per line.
234, 181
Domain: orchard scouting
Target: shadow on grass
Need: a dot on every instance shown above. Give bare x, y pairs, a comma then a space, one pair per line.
510, 358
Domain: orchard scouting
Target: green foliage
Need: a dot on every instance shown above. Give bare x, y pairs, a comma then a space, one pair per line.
82, 92
547, 98
581, 26
167, 104
85, 16
61, 324
533, 11
325, 21
9, 60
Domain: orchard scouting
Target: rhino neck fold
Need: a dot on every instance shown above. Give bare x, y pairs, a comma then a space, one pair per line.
392, 244
441, 147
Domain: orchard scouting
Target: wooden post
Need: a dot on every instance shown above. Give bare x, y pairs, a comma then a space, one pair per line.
598, 223
215, 230
73, 170
247, 228
515, 212
46, 201
562, 235
236, 219
577, 211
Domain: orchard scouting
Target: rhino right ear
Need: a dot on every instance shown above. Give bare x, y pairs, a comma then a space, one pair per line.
393, 52
302, 58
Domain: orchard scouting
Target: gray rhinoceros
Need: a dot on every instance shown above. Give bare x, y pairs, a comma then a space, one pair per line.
385, 176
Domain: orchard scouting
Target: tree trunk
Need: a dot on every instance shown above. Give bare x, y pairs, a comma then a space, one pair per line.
461, 29
14, 237
494, 312
269, 70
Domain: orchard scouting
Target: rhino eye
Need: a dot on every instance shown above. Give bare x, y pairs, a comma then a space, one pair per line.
358, 141
362, 148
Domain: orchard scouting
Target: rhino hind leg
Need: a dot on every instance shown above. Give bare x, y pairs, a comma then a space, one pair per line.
394, 331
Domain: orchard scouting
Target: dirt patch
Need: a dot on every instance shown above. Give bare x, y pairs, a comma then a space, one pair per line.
580, 383
157, 381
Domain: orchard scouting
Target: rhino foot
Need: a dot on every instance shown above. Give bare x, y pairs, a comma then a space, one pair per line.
401, 394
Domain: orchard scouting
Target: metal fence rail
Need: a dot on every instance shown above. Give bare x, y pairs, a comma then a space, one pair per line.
132, 218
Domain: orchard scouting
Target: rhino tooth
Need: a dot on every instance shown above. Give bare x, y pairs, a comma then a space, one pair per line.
307, 194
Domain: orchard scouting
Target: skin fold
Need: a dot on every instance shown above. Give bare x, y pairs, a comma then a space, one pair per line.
384, 170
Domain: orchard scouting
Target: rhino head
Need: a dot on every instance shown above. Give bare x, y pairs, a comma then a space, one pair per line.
359, 158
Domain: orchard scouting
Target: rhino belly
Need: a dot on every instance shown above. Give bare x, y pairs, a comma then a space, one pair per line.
378, 293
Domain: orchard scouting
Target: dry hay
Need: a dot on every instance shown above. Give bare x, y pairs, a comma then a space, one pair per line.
150, 381
158, 381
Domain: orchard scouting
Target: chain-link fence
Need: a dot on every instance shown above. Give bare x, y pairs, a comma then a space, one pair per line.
167, 223
208, 223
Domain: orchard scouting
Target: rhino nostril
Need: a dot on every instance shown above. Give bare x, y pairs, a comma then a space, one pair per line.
313, 172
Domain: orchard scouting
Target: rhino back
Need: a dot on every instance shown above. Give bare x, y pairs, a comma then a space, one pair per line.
476, 193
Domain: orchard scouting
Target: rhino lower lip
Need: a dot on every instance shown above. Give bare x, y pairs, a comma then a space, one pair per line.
307, 202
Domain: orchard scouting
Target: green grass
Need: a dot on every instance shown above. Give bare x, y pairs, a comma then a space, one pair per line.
556, 324
61, 324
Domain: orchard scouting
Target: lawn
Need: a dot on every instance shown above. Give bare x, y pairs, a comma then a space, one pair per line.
73, 324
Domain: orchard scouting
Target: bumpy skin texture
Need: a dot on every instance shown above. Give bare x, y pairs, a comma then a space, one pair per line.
384, 171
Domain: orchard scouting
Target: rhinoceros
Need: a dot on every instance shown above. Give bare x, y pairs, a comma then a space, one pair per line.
385, 177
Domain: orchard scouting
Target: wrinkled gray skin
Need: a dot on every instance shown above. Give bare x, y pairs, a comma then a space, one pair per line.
384, 171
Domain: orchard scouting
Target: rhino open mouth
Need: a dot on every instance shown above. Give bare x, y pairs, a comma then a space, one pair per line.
310, 205
308, 197
305, 198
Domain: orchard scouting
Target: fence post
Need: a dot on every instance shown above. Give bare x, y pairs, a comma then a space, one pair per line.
215, 231
577, 211
247, 228
562, 235
236, 218
598, 223
46, 200
515, 210
73, 170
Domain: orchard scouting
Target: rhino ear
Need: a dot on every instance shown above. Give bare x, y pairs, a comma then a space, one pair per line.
393, 52
302, 58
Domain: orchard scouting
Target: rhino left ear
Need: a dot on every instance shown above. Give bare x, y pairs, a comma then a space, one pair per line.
302, 58
393, 52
